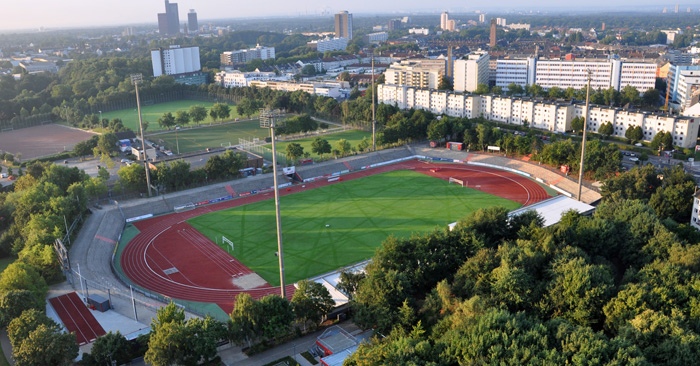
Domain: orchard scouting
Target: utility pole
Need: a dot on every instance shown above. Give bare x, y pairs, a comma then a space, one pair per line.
136, 79
271, 119
374, 120
583, 141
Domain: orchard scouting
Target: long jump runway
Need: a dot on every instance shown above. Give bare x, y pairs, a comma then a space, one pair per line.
173, 259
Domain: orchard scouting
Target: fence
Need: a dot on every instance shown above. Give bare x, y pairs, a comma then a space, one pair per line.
256, 146
24, 122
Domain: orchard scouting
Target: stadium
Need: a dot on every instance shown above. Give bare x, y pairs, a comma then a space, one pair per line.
202, 250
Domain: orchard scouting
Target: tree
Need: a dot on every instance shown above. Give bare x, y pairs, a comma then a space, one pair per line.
311, 301
344, 76
630, 94
248, 107
514, 89
107, 348
651, 98
278, 315
246, 321
320, 146
535, 90
182, 118
167, 120
14, 302
634, 133
362, 145
19, 328
197, 113
497, 90
83, 148
484, 135
606, 129
445, 83
482, 89
294, 151
577, 124
308, 70
48, 346
343, 147
220, 111
22, 276
106, 144
437, 130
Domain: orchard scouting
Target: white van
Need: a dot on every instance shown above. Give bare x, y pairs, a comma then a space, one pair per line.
3, 175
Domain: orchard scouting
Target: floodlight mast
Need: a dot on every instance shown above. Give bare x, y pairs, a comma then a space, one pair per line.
374, 120
583, 142
272, 119
136, 79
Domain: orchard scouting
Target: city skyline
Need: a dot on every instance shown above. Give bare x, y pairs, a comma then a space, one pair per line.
84, 13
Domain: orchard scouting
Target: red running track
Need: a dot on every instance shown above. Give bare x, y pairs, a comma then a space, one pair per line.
173, 259
77, 318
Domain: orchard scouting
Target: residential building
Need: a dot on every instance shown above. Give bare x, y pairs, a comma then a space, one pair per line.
548, 115
516, 26
501, 22
395, 24
247, 55
518, 71
695, 215
192, 23
482, 18
169, 22
378, 37
471, 71
343, 25
328, 44
331, 89
421, 31
39, 67
688, 87
444, 17
418, 73
182, 63
236, 78
674, 76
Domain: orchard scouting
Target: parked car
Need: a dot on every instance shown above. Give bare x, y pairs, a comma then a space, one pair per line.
634, 159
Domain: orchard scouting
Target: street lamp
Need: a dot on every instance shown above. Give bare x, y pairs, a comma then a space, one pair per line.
136, 79
272, 119
177, 142
583, 141
102, 122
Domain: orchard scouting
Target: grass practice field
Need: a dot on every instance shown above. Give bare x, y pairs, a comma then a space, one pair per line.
353, 136
151, 113
202, 138
361, 213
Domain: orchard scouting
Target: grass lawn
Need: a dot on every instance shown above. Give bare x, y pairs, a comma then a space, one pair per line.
214, 136
353, 136
151, 113
361, 214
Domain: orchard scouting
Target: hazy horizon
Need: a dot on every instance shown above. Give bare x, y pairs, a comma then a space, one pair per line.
84, 13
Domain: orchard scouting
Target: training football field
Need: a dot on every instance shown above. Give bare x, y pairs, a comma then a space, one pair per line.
360, 214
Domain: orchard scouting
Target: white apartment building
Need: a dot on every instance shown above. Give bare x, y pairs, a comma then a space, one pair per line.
247, 55
421, 31
470, 72
520, 72
378, 37
327, 88
516, 26
329, 44
695, 215
175, 60
641, 75
236, 78
543, 114
420, 74
688, 86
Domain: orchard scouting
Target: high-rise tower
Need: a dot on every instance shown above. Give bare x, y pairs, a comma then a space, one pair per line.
343, 25
169, 22
192, 21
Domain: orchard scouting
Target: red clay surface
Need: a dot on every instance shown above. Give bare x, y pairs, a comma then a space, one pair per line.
173, 259
77, 318
38, 141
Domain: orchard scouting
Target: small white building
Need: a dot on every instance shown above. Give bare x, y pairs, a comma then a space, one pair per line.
329, 44
695, 216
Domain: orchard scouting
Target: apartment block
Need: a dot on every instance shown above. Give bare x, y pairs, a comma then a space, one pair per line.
542, 114
329, 44
418, 73
471, 71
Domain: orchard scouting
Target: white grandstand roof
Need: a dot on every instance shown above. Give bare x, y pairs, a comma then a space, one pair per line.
551, 209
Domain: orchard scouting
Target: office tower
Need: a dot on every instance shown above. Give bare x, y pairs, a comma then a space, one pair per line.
492, 38
470, 72
192, 21
444, 17
169, 22
395, 24
677, 8
482, 18
343, 25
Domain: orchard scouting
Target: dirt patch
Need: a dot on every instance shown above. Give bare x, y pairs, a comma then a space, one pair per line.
38, 141
249, 281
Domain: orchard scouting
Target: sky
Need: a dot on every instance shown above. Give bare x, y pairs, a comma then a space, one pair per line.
32, 14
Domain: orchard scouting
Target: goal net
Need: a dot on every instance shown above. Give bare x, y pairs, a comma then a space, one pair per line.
457, 181
228, 242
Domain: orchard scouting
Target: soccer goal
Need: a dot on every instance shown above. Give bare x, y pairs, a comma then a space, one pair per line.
225, 240
458, 181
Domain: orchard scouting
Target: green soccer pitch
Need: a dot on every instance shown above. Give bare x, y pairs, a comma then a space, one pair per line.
211, 136
361, 213
151, 113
